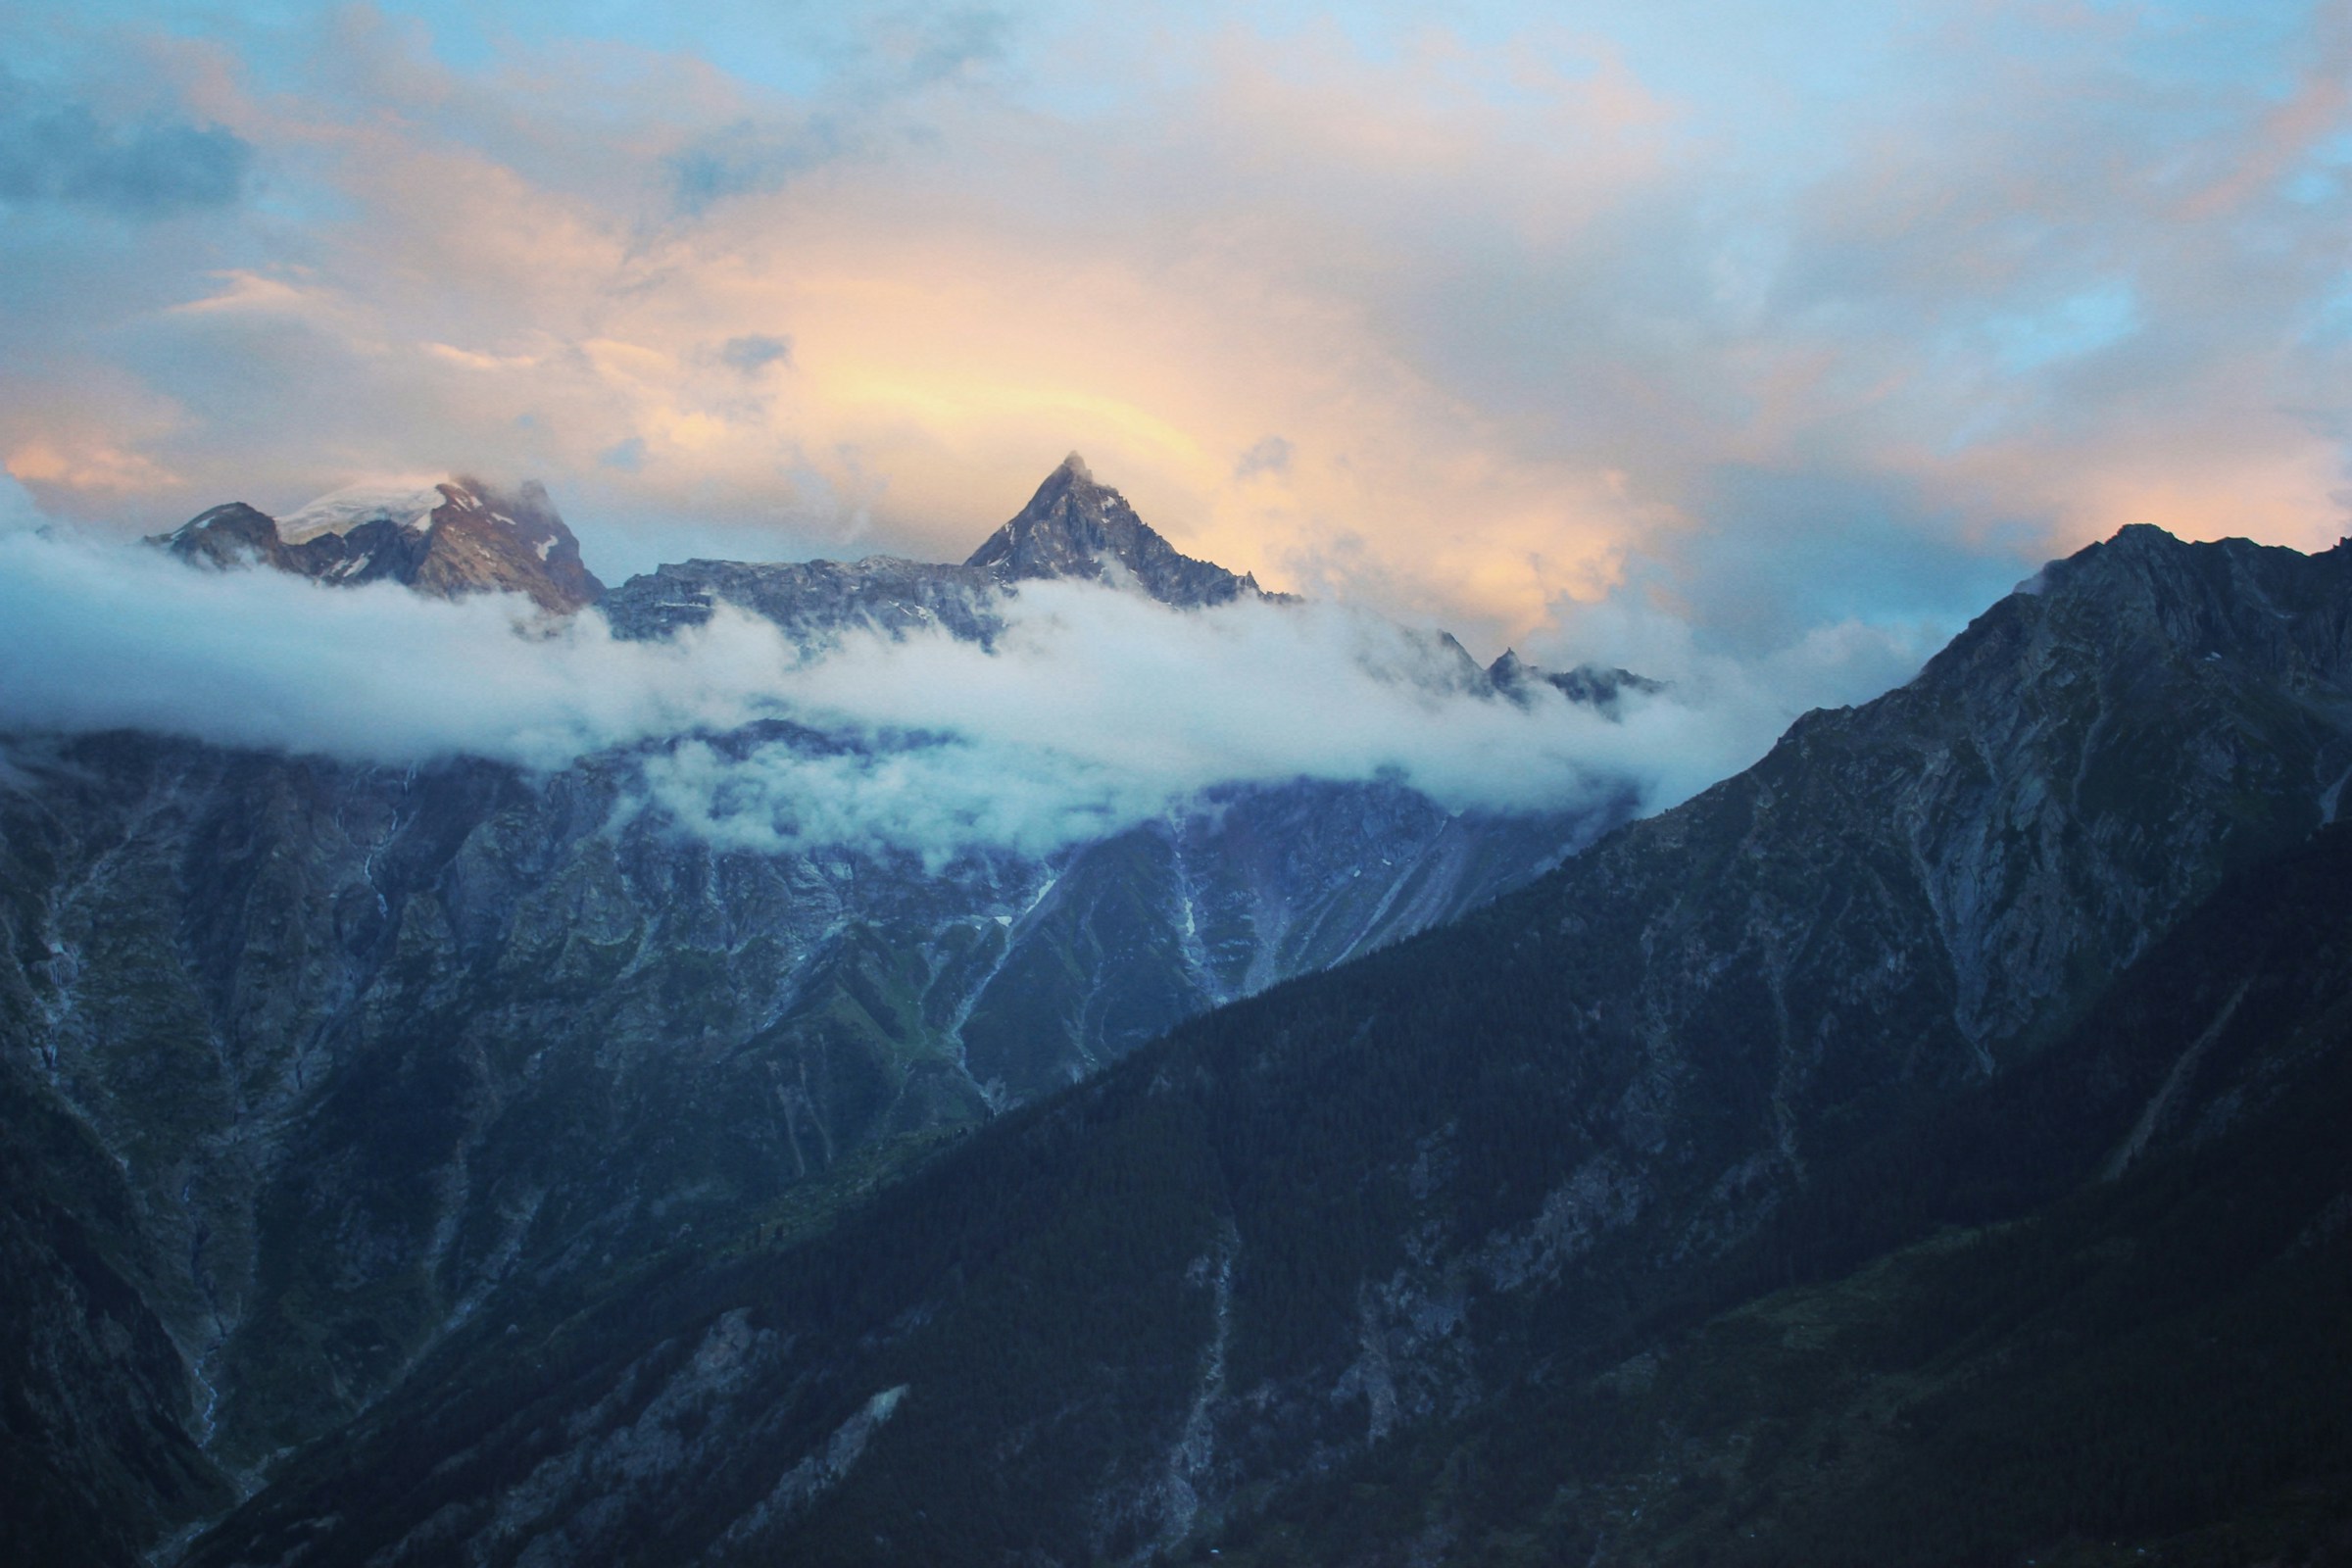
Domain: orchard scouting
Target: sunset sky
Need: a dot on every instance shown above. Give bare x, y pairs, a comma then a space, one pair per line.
1610, 329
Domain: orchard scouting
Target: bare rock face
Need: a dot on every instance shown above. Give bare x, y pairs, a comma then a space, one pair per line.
459, 537
481, 540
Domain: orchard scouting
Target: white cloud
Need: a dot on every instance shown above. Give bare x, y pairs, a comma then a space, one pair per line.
18, 512
120, 636
1096, 709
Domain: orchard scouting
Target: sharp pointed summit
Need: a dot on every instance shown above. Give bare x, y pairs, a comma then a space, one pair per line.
1076, 527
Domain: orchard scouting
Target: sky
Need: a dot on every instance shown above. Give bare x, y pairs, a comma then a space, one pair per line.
1789, 334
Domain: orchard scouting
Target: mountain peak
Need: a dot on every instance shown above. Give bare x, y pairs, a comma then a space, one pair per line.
449, 538
1075, 526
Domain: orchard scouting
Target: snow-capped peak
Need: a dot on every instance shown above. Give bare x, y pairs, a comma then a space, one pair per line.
406, 502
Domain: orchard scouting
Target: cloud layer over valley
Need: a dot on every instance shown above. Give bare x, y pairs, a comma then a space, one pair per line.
1097, 709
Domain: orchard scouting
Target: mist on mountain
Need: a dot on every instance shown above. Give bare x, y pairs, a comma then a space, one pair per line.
1095, 710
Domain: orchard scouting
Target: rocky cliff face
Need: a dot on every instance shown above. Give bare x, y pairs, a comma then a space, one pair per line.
815, 601
330, 1058
450, 539
1409, 1213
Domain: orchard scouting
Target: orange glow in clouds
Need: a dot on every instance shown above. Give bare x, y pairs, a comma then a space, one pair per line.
1457, 329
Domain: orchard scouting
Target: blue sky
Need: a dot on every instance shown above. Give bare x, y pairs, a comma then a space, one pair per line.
1631, 330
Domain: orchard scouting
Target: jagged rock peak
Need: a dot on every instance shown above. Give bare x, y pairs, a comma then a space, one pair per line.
456, 537
1595, 685
1077, 527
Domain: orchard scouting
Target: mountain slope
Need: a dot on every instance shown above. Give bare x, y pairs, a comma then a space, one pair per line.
370, 1042
1378, 1210
2129, 1321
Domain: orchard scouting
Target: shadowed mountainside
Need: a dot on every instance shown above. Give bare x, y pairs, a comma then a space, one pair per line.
1342, 1273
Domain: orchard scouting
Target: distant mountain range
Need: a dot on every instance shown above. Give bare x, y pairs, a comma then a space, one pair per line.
463, 536
1072, 528
309, 1064
1923, 1148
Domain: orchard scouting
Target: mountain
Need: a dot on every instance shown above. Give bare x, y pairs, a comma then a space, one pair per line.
1071, 529
1593, 685
1920, 1148
1075, 527
447, 540
306, 1063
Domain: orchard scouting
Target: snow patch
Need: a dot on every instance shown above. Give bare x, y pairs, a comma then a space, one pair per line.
410, 502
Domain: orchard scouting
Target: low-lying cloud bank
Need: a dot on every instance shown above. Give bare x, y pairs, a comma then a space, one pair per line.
99, 637
1097, 709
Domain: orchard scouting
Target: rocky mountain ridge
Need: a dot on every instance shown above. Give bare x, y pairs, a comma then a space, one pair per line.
1071, 529
458, 537
1591, 685
440, 539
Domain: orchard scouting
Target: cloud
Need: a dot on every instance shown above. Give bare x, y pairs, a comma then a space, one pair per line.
1818, 547
753, 352
58, 150
98, 637
18, 512
747, 159
1269, 456
1096, 711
